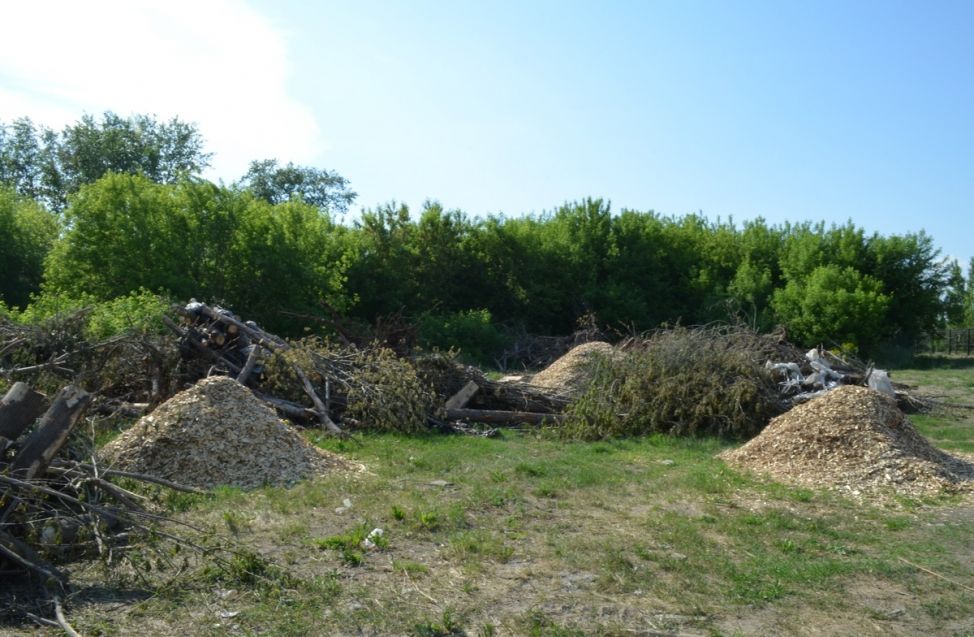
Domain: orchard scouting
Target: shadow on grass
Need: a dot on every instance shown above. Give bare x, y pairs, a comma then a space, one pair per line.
23, 596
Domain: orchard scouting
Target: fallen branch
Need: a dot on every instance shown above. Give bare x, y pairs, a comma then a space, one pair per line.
248, 367
51, 434
503, 417
110, 473
935, 574
460, 399
20, 553
288, 408
320, 408
62, 620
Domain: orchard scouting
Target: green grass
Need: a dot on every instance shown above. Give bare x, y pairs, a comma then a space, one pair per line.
951, 425
530, 535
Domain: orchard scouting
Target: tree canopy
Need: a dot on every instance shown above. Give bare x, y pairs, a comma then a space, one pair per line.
275, 184
50, 166
113, 206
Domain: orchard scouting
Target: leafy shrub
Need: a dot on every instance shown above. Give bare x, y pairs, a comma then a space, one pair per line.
378, 389
470, 331
48, 305
140, 311
703, 381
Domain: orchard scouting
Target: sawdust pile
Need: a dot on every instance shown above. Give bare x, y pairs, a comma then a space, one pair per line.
218, 433
856, 441
571, 373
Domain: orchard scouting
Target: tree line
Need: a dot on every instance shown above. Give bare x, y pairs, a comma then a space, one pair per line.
107, 208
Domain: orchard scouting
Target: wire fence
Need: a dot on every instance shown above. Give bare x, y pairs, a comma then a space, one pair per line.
958, 341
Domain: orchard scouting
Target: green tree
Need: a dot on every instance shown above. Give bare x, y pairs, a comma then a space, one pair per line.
197, 239
757, 275
49, 166
969, 296
380, 277
276, 184
125, 233
749, 293
27, 233
914, 276
955, 296
449, 276
835, 305
287, 260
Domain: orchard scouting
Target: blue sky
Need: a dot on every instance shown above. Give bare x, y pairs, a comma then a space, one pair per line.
790, 111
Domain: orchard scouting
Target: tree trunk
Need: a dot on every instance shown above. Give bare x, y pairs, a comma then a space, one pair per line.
51, 434
19, 409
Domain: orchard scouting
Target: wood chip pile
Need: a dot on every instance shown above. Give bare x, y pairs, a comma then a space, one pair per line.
856, 441
572, 372
218, 433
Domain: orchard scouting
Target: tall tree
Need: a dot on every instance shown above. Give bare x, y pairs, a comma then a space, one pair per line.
49, 166
276, 184
23, 157
955, 295
914, 276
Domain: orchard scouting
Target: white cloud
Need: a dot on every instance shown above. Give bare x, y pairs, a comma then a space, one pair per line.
218, 63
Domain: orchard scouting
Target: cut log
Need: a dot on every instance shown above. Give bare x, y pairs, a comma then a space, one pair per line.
503, 417
460, 399
320, 408
19, 408
200, 347
268, 340
248, 367
51, 434
288, 408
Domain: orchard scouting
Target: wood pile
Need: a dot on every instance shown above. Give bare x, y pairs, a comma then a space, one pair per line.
571, 374
469, 396
218, 433
331, 380
54, 504
235, 347
856, 441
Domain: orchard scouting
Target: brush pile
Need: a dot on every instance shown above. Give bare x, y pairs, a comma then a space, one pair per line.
53, 504
854, 440
682, 381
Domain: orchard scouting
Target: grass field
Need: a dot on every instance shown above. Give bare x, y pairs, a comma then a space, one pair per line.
528, 535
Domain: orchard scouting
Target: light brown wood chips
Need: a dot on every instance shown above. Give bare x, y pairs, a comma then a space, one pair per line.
218, 433
853, 440
571, 374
